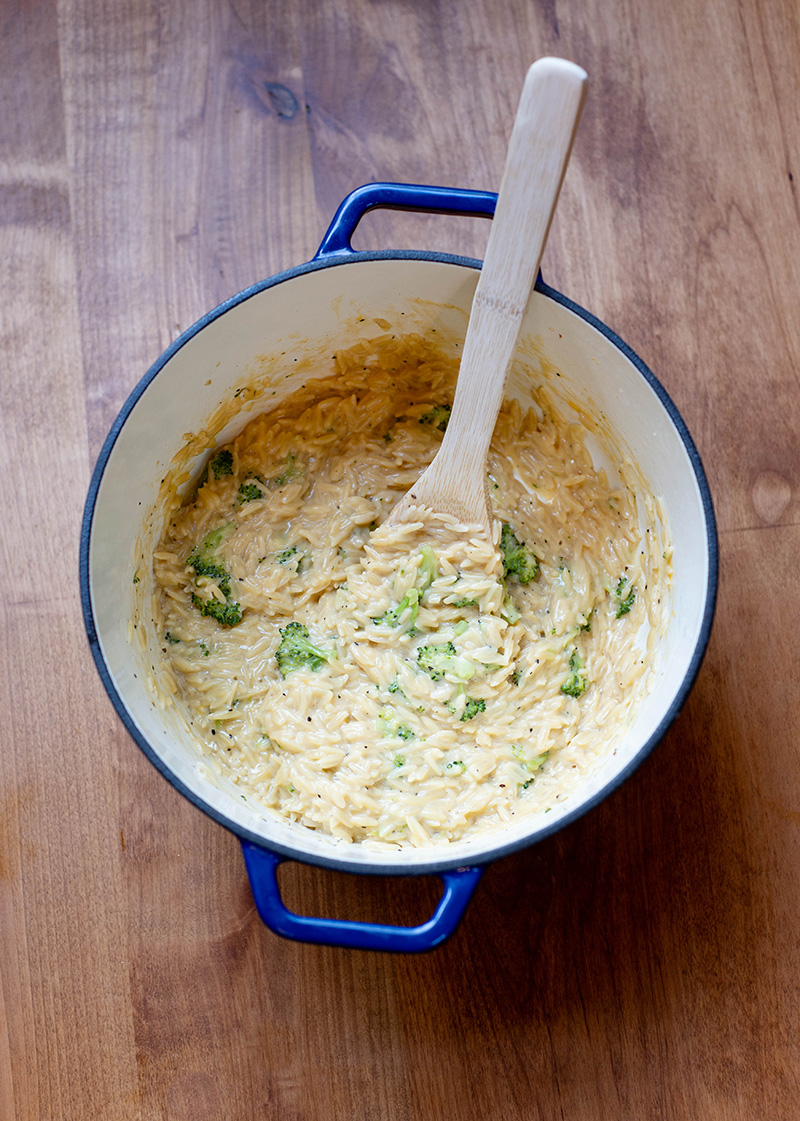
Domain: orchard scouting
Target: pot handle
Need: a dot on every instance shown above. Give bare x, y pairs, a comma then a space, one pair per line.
400, 196
262, 866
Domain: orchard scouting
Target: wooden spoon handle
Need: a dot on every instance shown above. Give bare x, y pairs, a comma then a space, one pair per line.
541, 141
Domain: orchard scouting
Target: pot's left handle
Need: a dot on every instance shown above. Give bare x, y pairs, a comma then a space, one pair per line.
262, 866
400, 196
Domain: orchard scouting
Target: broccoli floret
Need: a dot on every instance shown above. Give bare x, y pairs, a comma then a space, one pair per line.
249, 492
300, 559
518, 560
399, 760
213, 570
388, 726
577, 681
472, 708
393, 686
438, 416
529, 762
291, 471
221, 464
227, 614
439, 659
465, 602
170, 637
435, 659
456, 764
409, 602
509, 610
204, 562
296, 650
428, 568
624, 604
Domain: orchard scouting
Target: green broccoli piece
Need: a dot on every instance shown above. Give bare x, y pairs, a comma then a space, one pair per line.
518, 560
212, 570
388, 726
464, 602
296, 650
472, 708
221, 464
291, 471
399, 760
170, 637
434, 659
438, 659
438, 416
509, 610
577, 681
249, 492
301, 560
392, 617
529, 762
204, 562
428, 568
456, 764
227, 614
204, 559
624, 604
393, 686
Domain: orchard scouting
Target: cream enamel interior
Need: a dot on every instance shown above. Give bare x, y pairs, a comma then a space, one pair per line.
307, 315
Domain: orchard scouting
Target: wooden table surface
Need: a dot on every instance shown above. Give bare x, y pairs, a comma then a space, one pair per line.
157, 157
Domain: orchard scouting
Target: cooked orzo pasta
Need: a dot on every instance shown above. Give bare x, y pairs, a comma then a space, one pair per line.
413, 684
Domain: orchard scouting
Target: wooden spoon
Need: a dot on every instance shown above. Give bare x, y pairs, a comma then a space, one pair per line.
541, 141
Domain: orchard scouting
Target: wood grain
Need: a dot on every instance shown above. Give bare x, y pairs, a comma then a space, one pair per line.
643, 963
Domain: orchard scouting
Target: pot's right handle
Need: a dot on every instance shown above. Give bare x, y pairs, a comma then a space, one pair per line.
400, 196
262, 867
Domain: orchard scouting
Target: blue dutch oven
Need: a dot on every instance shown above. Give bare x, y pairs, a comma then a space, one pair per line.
292, 322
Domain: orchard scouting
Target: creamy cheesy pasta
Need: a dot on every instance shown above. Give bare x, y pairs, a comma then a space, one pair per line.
415, 684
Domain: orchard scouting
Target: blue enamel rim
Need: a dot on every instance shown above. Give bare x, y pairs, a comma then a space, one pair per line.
342, 256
